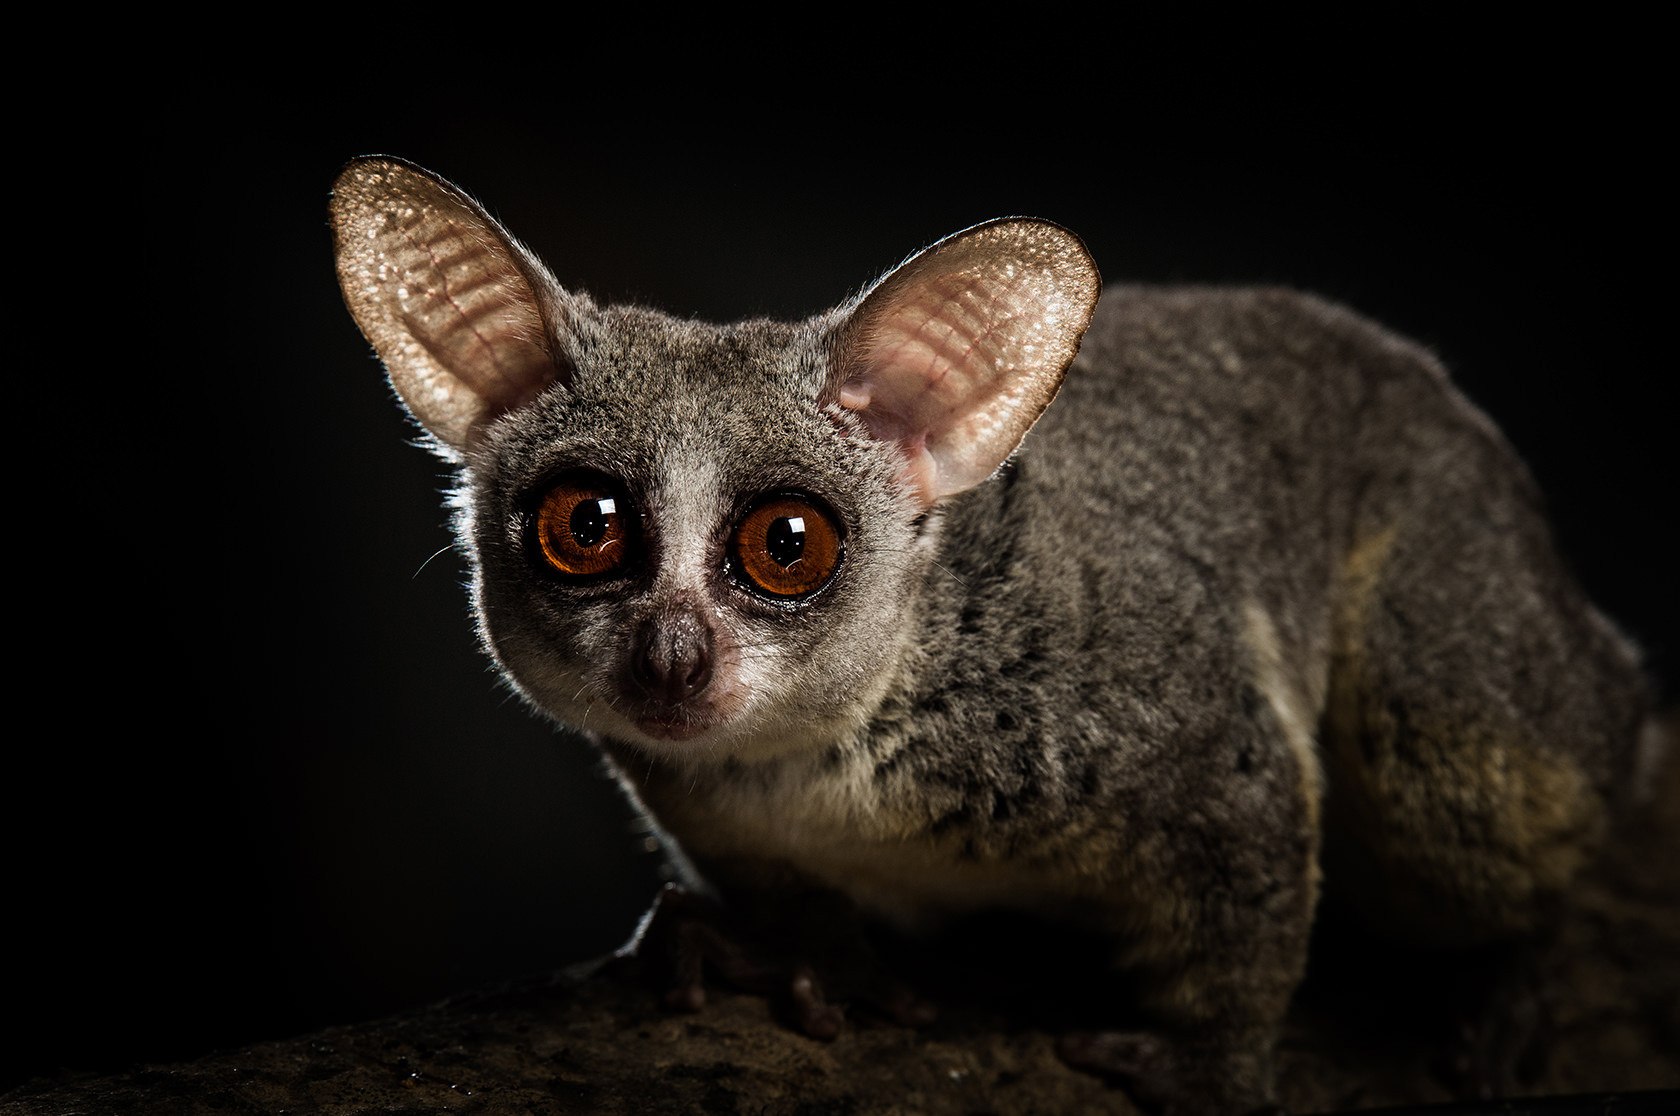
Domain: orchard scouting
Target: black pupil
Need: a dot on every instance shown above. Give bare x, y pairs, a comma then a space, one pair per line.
785, 541
589, 521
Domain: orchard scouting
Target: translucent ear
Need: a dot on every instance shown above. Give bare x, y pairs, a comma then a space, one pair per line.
461, 313
956, 352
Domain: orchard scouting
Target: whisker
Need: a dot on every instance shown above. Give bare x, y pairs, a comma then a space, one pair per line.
946, 570
950, 573
428, 561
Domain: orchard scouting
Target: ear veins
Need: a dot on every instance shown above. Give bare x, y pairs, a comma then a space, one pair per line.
956, 352
459, 311
511, 393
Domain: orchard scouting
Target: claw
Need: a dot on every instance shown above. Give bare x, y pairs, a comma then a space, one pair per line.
817, 1018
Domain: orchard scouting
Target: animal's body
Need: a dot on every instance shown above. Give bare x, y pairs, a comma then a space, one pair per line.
1260, 590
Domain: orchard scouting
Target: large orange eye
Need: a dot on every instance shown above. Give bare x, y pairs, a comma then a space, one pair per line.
787, 546
581, 527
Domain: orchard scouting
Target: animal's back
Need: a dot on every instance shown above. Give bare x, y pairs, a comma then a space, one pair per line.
1260, 506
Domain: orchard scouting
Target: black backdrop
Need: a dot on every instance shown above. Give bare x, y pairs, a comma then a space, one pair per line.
291, 793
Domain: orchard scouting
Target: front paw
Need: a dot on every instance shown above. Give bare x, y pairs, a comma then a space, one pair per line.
1172, 1077
687, 935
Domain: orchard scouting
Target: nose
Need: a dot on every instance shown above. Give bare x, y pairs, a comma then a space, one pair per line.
671, 659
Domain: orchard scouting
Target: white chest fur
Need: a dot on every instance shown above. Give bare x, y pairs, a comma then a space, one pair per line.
836, 824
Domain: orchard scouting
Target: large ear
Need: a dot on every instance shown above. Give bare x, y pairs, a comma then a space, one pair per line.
463, 315
957, 351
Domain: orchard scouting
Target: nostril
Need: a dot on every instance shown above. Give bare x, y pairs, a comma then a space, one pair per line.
699, 671
645, 670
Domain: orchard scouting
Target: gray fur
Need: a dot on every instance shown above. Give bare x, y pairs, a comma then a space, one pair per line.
1257, 547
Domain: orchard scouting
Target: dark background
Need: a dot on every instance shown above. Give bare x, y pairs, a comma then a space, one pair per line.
282, 788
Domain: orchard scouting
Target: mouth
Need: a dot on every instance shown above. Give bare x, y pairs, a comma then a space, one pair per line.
672, 724
714, 711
